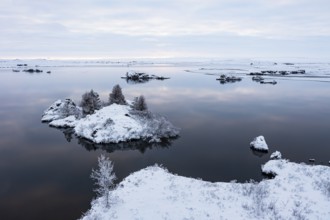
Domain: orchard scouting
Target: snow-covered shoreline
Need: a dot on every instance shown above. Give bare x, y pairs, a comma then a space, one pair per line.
298, 191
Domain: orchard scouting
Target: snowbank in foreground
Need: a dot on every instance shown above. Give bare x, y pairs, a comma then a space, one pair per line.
298, 191
111, 124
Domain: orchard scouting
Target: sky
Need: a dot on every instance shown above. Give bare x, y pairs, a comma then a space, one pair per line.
164, 28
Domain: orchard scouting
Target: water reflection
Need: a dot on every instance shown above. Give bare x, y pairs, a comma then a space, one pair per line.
139, 145
218, 122
258, 153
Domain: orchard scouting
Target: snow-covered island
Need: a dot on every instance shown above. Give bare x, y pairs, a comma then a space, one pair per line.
298, 191
141, 77
115, 121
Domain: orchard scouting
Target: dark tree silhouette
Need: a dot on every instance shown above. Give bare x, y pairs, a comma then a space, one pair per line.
117, 96
90, 102
140, 104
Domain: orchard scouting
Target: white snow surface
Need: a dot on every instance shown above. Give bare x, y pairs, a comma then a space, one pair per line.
70, 121
259, 143
111, 124
276, 155
52, 113
298, 191
60, 110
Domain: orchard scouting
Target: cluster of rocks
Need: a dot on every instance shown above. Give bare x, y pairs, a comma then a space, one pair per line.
274, 72
228, 79
140, 77
33, 71
22, 64
261, 80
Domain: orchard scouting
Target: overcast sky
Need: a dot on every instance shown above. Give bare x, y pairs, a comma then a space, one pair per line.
164, 28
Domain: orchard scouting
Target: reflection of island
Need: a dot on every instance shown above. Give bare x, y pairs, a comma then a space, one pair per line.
258, 153
140, 145
133, 77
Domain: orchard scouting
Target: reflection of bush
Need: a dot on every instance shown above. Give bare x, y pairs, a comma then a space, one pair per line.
68, 133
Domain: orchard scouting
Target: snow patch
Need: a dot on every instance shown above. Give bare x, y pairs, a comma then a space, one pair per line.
60, 110
298, 191
259, 143
276, 155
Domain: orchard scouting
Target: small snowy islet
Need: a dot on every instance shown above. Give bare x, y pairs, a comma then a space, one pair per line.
259, 143
111, 124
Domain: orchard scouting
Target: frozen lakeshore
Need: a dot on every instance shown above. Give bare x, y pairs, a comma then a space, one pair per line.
298, 191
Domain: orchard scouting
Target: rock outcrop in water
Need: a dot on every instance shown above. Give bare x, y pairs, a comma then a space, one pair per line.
140, 77
223, 79
259, 144
276, 73
111, 124
33, 71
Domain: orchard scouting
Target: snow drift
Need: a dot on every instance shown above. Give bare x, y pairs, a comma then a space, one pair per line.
298, 191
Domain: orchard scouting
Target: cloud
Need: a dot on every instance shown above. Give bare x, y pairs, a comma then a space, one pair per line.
72, 25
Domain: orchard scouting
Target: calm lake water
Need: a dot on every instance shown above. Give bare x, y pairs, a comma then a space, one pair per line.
45, 171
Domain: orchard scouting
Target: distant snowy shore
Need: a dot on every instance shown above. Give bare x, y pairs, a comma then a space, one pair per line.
298, 191
116, 122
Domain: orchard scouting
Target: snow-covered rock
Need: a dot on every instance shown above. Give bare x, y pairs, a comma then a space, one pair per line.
60, 110
297, 192
259, 143
112, 124
276, 155
68, 122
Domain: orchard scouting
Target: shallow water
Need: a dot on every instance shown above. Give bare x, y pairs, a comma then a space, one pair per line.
45, 172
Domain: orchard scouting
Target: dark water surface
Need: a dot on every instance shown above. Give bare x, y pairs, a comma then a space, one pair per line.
45, 172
